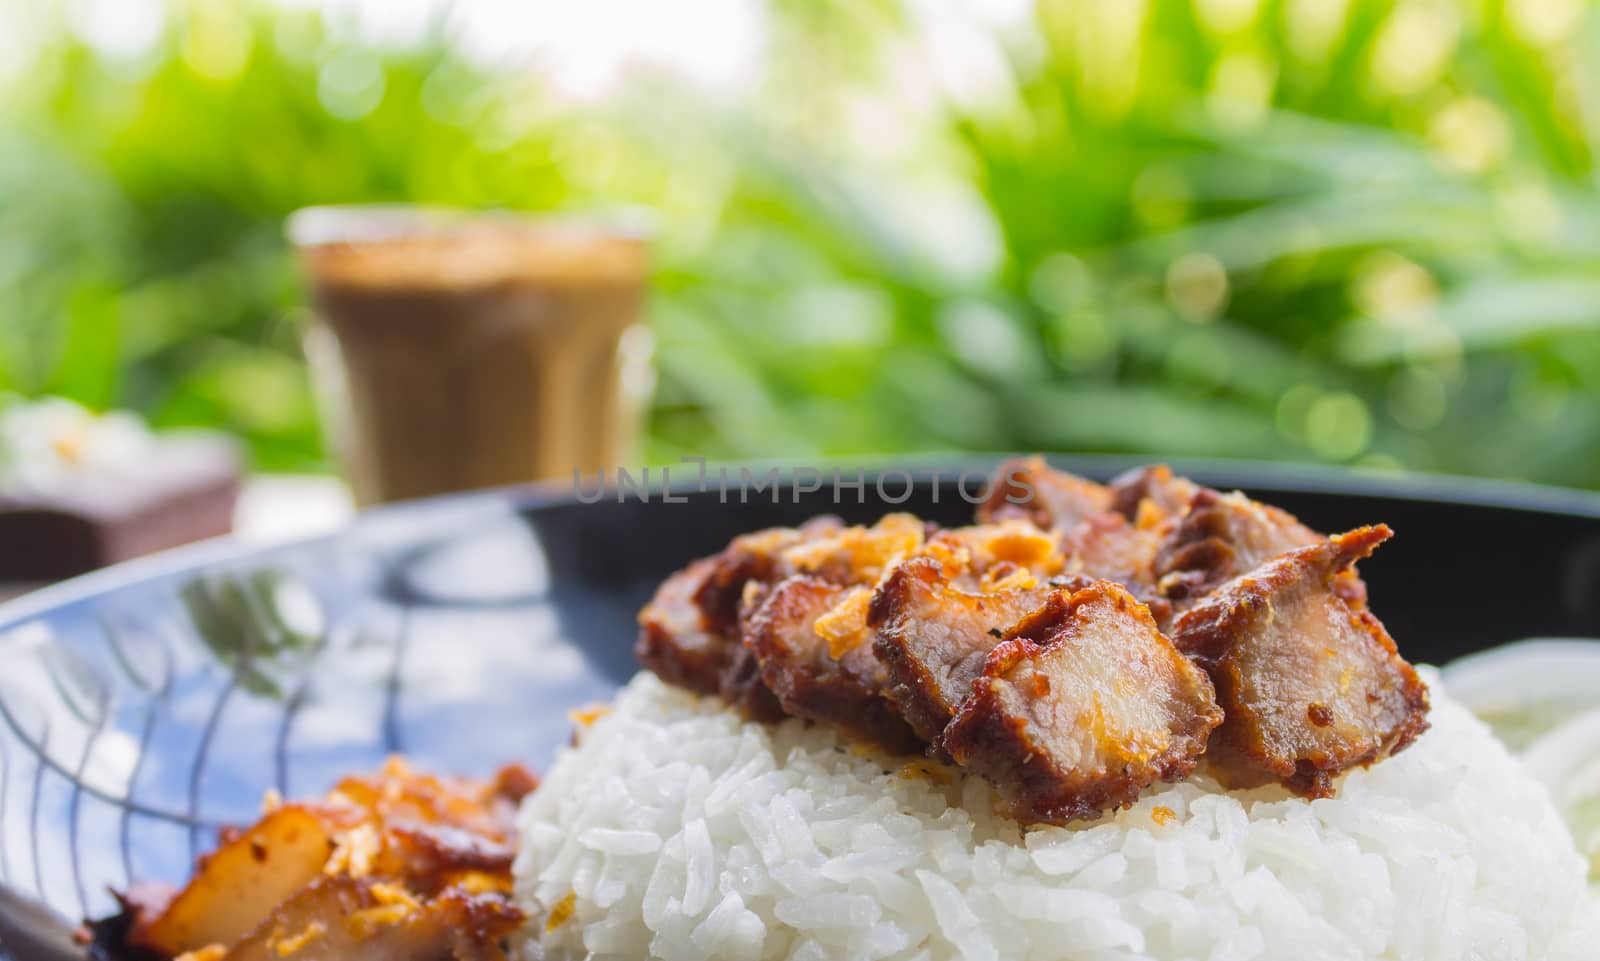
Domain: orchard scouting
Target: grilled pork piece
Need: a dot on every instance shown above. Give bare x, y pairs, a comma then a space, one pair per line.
933, 636
401, 865
689, 632
353, 919
812, 634
1146, 495
1109, 533
1030, 489
1226, 535
1082, 705
1311, 684
675, 640
1221, 537
701, 630
811, 640
1109, 547
1033, 646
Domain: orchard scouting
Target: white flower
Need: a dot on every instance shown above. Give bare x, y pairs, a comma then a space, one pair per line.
46, 441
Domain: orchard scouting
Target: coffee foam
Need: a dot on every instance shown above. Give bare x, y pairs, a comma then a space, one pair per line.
396, 248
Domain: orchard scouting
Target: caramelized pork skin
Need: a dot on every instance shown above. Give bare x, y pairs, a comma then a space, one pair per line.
835, 679
1226, 535
758, 558
1081, 706
1220, 537
933, 637
813, 634
1311, 684
674, 639
1145, 495
1107, 533
711, 628
1109, 547
689, 632
1030, 489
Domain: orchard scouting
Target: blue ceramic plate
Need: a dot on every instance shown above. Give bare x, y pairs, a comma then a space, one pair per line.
143, 707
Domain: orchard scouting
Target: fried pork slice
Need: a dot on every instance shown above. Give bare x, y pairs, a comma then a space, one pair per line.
689, 632
1107, 547
1226, 535
1110, 532
812, 642
1146, 495
356, 919
933, 636
398, 865
937, 615
763, 558
1030, 489
674, 640
1311, 685
1081, 706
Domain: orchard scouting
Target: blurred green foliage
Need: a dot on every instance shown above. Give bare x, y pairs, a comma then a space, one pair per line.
1360, 232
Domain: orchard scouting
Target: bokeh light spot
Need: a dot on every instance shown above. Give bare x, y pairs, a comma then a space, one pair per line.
448, 91
1338, 426
1293, 406
1241, 90
1390, 287
1060, 282
1417, 398
1085, 340
298, 38
1105, 38
840, 316
1414, 46
1197, 287
984, 337
1530, 214
1544, 23
1313, 27
1226, 16
350, 85
1433, 343
1470, 134
125, 29
216, 43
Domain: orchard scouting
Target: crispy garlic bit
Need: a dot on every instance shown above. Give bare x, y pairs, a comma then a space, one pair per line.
865, 552
845, 626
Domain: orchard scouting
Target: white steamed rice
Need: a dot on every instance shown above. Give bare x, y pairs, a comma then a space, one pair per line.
675, 830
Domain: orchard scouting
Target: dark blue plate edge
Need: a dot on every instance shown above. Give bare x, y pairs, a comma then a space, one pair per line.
470, 505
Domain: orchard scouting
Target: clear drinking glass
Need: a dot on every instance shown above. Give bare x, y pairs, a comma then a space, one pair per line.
454, 350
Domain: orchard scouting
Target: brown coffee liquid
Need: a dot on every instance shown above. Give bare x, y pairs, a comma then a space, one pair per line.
478, 358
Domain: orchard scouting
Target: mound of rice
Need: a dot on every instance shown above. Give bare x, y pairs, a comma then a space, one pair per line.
675, 830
